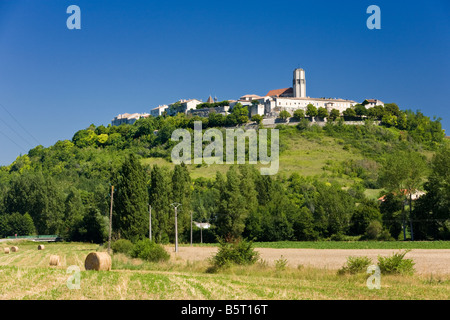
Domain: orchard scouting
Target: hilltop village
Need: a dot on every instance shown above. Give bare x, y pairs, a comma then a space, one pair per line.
268, 107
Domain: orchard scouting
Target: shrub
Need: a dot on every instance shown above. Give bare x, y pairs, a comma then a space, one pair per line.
122, 246
281, 264
150, 251
373, 230
239, 252
355, 265
395, 264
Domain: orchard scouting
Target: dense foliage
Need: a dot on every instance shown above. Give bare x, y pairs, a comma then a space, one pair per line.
65, 189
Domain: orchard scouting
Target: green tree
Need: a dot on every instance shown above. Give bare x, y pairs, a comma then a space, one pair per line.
159, 195
402, 173
231, 213
131, 200
360, 110
299, 114
181, 193
432, 211
284, 115
311, 110
322, 113
364, 214
22, 225
349, 113
257, 118
334, 114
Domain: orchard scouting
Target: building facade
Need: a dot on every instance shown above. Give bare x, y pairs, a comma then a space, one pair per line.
128, 118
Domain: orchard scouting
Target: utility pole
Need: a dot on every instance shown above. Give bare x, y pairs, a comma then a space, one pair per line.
191, 228
110, 219
150, 222
410, 215
175, 205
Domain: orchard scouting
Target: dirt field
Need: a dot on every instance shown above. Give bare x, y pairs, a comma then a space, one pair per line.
436, 261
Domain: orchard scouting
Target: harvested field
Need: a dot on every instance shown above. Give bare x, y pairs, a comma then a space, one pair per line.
436, 261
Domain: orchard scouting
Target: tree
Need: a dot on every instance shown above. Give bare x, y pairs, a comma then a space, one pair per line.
334, 114
360, 110
41, 197
432, 209
284, 115
15, 223
299, 114
181, 193
257, 118
238, 115
402, 175
322, 112
159, 195
349, 113
311, 110
131, 200
231, 213
364, 214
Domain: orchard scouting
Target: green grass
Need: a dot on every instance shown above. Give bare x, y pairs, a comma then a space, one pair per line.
26, 275
298, 153
347, 244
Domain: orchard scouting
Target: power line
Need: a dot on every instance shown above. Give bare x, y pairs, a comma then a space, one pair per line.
23, 128
20, 147
14, 130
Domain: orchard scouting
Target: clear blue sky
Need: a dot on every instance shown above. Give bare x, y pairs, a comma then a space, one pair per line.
131, 56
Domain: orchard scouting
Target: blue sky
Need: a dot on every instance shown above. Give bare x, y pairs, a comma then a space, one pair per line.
131, 56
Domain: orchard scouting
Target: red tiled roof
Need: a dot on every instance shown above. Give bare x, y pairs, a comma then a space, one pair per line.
278, 92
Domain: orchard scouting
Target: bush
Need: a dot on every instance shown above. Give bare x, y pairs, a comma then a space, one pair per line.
122, 246
281, 264
240, 252
355, 265
149, 251
395, 264
373, 230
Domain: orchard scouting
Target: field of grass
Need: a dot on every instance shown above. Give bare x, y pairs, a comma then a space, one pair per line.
26, 275
299, 154
345, 244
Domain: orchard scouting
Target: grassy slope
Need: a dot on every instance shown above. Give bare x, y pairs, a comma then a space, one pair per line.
26, 275
298, 154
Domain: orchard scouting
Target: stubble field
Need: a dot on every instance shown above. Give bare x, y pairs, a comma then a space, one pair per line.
309, 274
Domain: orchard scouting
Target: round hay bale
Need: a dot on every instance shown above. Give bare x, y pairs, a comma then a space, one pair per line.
6, 250
41, 247
55, 260
14, 249
98, 261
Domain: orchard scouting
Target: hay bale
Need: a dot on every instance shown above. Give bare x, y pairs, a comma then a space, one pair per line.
55, 260
6, 250
98, 261
14, 249
41, 247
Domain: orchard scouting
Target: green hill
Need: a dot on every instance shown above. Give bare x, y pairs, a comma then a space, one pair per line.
327, 179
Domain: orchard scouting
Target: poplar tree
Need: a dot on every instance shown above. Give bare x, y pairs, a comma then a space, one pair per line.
232, 210
159, 196
131, 200
181, 193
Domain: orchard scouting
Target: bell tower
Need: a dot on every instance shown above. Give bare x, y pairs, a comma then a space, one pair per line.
299, 83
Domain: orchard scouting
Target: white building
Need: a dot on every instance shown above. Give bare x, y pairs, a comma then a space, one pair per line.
277, 104
369, 103
158, 111
128, 118
291, 99
184, 106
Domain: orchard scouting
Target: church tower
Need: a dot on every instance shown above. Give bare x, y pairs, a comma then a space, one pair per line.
299, 83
